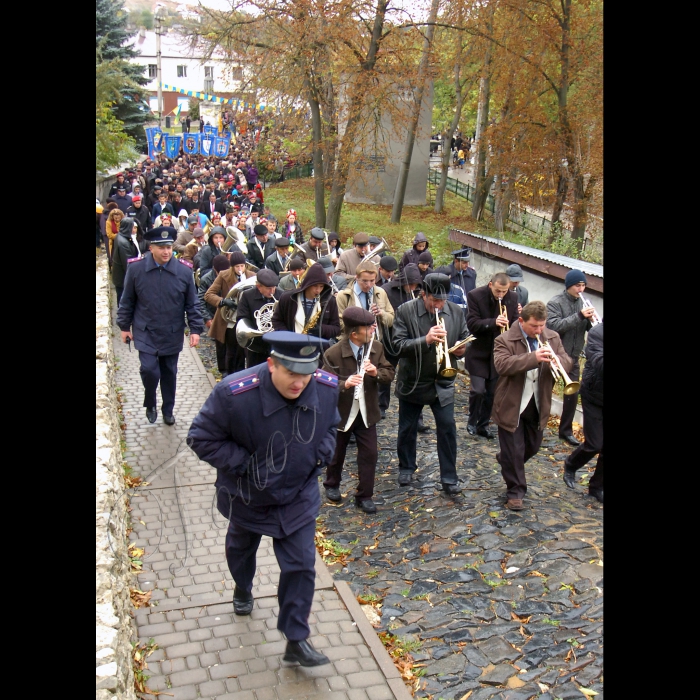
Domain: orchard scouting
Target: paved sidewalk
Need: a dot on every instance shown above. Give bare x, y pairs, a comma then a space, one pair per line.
204, 649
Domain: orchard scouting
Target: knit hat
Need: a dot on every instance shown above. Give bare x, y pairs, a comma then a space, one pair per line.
220, 262
574, 277
425, 257
237, 258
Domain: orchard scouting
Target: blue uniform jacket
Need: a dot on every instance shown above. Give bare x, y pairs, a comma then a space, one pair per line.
268, 451
154, 304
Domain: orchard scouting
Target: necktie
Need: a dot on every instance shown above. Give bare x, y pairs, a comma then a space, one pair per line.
366, 303
359, 359
533, 343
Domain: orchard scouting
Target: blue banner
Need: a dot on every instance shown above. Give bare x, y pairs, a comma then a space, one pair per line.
209, 129
205, 143
190, 143
172, 145
154, 136
221, 145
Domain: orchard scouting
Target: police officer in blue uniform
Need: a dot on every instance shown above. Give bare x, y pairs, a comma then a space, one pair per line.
460, 271
158, 292
267, 479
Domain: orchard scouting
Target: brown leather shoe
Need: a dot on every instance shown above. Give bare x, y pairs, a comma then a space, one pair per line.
514, 504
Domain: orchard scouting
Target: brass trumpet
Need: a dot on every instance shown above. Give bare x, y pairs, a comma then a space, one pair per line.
501, 311
442, 351
459, 343
555, 366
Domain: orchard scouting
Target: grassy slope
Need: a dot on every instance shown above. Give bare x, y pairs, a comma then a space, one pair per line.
375, 219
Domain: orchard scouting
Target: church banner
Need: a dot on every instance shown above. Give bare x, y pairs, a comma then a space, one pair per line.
172, 145
190, 144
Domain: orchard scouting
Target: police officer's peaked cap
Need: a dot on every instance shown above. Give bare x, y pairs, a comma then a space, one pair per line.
437, 285
298, 353
462, 254
161, 236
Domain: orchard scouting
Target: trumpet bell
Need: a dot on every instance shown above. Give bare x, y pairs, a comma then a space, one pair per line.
571, 388
245, 332
448, 372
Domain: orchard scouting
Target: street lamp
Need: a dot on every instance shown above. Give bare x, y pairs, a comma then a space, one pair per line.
159, 23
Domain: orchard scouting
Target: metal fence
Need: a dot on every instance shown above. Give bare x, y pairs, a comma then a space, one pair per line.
517, 215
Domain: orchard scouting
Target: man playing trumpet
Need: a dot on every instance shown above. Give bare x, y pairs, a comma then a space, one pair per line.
523, 357
419, 327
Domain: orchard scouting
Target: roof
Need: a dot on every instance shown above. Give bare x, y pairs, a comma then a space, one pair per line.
572, 263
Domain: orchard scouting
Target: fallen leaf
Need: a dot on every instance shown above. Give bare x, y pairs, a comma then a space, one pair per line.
587, 691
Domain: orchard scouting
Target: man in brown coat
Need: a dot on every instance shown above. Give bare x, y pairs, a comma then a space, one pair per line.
524, 394
224, 332
350, 259
360, 365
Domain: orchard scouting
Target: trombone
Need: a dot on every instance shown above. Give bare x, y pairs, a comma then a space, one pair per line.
595, 319
501, 311
555, 366
442, 351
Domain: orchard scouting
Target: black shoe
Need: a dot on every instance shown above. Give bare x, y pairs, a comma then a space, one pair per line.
570, 477
242, 602
422, 427
596, 493
304, 653
333, 495
570, 439
367, 505
168, 419
353, 439
485, 432
151, 414
382, 414
451, 489
471, 429
404, 478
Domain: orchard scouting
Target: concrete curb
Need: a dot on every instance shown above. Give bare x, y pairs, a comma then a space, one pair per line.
369, 634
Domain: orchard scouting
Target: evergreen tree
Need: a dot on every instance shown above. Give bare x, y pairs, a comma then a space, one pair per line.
111, 36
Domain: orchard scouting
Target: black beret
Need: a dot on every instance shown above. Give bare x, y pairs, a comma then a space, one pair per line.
260, 230
437, 285
296, 264
388, 263
267, 277
281, 242
357, 316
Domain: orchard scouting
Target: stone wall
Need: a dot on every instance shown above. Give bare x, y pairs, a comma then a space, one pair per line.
114, 624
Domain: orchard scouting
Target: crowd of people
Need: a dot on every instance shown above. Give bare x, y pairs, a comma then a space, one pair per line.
310, 337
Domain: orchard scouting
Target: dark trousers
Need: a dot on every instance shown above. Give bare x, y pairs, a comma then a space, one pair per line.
254, 358
366, 458
235, 354
120, 291
296, 556
481, 395
593, 432
220, 356
517, 448
447, 438
568, 410
155, 369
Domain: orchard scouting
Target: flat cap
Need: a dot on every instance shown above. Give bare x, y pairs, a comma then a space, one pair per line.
360, 239
318, 233
267, 277
388, 263
357, 316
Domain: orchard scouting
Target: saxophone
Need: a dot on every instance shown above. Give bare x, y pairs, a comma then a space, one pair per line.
313, 319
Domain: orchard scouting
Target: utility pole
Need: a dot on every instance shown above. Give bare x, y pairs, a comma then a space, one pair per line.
159, 23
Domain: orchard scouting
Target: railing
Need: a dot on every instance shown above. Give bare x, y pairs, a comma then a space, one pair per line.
517, 215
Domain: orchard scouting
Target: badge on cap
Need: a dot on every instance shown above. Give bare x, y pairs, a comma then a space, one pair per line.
164, 234
307, 350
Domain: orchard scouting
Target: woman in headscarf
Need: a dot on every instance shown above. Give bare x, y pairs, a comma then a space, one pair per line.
291, 228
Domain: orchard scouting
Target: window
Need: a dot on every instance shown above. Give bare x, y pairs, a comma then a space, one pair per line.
182, 71
208, 86
209, 71
237, 73
152, 70
153, 104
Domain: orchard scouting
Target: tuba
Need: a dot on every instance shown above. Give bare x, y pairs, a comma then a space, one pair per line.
377, 250
229, 315
232, 239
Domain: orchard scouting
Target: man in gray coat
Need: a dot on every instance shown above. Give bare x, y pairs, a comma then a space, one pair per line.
567, 316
